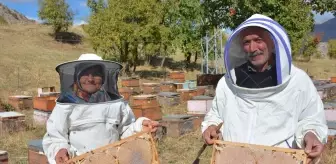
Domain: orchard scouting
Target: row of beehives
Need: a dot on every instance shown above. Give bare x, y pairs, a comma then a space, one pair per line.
13, 121
327, 92
326, 88
42, 104
147, 99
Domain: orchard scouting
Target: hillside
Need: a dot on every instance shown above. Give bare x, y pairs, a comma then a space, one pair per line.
9, 16
29, 56
327, 28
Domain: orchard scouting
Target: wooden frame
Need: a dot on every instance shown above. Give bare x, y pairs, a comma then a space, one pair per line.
299, 155
142, 135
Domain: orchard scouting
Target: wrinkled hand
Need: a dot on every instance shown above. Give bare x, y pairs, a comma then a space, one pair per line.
313, 147
62, 156
211, 134
149, 125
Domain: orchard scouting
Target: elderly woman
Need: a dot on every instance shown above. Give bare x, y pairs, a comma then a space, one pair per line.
89, 112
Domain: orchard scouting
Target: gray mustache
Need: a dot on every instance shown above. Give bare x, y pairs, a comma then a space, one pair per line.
255, 53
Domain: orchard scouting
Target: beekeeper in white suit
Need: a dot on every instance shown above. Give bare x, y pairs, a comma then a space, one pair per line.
89, 113
264, 99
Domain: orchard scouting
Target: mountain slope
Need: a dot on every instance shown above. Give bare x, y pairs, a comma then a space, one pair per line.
9, 16
328, 29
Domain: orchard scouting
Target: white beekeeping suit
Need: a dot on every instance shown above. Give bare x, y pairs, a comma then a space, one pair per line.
274, 116
80, 126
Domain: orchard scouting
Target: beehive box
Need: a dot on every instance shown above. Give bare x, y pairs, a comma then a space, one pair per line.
197, 121
126, 93
187, 94
330, 105
199, 104
145, 101
11, 122
177, 76
41, 117
239, 153
178, 85
201, 90
150, 88
35, 153
189, 84
146, 106
167, 87
3, 157
49, 94
44, 103
130, 82
210, 91
208, 79
333, 79
168, 99
177, 125
138, 149
21, 102
135, 90
153, 113
326, 90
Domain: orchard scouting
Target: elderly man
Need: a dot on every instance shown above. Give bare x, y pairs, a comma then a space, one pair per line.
89, 112
264, 99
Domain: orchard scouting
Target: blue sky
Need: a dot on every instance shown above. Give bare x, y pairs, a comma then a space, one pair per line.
29, 8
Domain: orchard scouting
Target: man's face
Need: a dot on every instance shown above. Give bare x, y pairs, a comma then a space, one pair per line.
91, 80
258, 45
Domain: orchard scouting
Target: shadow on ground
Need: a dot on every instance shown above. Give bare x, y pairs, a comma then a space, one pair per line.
67, 37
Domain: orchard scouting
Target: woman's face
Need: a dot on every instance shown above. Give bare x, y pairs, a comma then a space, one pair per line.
91, 80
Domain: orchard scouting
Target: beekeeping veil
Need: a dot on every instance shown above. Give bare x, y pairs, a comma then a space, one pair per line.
234, 55
70, 72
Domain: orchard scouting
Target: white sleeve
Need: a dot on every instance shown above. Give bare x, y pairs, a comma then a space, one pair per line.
56, 137
311, 117
129, 125
212, 117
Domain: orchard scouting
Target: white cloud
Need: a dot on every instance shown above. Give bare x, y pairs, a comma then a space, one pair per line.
79, 22
35, 18
83, 4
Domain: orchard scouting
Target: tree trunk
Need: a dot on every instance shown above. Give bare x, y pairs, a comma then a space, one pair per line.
196, 55
188, 59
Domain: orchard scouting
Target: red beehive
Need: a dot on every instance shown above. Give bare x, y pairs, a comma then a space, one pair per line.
146, 106
167, 87
126, 93
187, 94
21, 102
3, 157
130, 82
150, 88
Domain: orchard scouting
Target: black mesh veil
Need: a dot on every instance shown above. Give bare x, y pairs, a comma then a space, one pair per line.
68, 75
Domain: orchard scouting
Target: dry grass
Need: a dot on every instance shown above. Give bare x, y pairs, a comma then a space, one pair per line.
16, 144
319, 68
28, 59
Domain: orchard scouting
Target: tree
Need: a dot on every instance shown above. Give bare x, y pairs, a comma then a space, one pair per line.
322, 6
186, 16
295, 15
122, 29
56, 13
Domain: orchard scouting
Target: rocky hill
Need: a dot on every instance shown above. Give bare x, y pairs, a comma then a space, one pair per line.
9, 16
